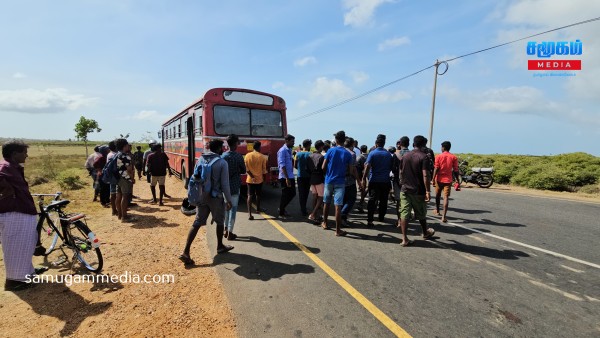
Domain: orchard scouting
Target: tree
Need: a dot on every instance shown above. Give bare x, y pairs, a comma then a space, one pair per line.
83, 128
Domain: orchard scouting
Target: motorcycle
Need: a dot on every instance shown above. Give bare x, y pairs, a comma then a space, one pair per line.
483, 177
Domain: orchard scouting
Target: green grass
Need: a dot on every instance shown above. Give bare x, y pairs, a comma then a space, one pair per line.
565, 172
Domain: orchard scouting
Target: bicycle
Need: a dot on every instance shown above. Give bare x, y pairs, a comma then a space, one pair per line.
73, 232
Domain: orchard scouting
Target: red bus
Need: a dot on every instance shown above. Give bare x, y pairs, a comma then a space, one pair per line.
250, 114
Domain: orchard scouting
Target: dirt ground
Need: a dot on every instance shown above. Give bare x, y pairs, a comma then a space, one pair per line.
194, 305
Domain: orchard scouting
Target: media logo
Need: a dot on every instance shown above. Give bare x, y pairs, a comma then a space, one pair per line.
547, 49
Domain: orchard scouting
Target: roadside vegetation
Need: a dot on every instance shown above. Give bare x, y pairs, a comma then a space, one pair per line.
573, 172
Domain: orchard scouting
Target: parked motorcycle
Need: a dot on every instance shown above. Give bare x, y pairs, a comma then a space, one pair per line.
483, 177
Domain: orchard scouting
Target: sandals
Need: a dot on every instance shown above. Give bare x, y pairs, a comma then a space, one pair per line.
224, 249
429, 234
187, 261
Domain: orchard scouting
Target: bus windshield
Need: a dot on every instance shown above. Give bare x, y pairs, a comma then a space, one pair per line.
245, 121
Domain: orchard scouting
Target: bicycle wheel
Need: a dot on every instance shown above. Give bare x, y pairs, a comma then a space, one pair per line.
48, 236
90, 258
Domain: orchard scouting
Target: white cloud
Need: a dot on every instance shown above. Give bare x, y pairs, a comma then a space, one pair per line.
359, 77
512, 100
385, 97
48, 101
302, 103
393, 43
278, 85
551, 14
523, 100
308, 60
19, 75
360, 12
147, 115
330, 89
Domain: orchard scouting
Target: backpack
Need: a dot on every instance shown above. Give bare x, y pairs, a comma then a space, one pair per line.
431, 158
200, 183
110, 173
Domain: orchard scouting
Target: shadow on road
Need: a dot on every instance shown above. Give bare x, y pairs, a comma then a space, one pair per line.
485, 251
251, 267
380, 237
63, 304
471, 249
289, 246
485, 221
467, 211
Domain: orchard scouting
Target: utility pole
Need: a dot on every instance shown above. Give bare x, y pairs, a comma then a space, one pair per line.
437, 65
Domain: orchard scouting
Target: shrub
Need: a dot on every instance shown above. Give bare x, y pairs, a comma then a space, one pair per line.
38, 180
48, 162
590, 189
70, 179
565, 172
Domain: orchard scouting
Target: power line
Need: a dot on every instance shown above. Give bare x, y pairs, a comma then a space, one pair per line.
525, 38
444, 61
360, 95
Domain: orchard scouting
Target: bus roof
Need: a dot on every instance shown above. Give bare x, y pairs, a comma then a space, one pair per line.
216, 91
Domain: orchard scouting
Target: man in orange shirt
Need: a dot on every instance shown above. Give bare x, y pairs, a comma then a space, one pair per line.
445, 169
256, 168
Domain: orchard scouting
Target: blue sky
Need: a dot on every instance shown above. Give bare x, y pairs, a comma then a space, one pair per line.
131, 64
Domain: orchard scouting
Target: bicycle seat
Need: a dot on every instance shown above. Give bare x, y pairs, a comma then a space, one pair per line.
55, 205
73, 218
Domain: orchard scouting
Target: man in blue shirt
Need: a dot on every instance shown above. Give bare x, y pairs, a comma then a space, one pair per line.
337, 163
377, 169
302, 159
286, 175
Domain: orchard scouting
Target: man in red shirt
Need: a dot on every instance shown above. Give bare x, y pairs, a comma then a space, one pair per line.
445, 169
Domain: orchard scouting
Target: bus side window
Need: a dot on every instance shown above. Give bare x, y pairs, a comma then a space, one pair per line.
199, 125
198, 120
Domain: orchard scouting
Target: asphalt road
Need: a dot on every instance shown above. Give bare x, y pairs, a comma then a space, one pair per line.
505, 265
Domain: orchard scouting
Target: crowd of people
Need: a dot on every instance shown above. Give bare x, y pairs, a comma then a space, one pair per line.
154, 164
333, 172
336, 172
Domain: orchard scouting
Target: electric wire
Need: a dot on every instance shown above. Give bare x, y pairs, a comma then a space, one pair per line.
435, 65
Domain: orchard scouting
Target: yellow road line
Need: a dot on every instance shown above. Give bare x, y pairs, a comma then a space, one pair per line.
382, 317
